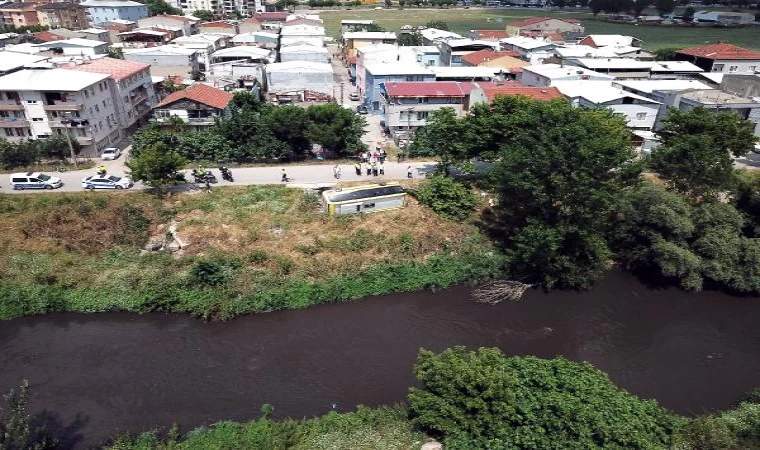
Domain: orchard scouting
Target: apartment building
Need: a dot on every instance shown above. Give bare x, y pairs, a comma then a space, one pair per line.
186, 25
19, 14
102, 11
407, 105
198, 105
132, 82
721, 58
63, 15
37, 103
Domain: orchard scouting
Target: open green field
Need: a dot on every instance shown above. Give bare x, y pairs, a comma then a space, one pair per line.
463, 20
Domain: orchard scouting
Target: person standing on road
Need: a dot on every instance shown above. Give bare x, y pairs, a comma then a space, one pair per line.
336, 172
382, 168
284, 176
369, 169
374, 169
358, 168
409, 172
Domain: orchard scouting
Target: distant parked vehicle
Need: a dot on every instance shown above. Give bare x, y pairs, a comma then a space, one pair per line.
34, 180
110, 182
110, 154
353, 96
361, 109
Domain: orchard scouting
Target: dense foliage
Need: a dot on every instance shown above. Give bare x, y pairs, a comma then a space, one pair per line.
17, 432
257, 131
447, 197
30, 152
484, 400
735, 429
157, 166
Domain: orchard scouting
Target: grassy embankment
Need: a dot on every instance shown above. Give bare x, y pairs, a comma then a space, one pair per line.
251, 249
382, 428
464, 20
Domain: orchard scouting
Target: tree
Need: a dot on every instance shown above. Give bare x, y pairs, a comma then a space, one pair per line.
558, 171
158, 7
697, 145
447, 197
373, 26
290, 125
335, 128
747, 199
388, 3
197, 75
157, 166
665, 6
16, 430
115, 53
482, 399
204, 14
688, 14
439, 24
442, 137
666, 54
409, 39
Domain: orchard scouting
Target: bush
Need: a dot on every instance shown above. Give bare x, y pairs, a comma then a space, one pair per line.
447, 197
213, 273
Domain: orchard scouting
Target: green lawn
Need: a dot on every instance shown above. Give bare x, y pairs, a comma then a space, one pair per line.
463, 20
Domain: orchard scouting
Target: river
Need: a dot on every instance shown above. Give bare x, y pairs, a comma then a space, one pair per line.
95, 375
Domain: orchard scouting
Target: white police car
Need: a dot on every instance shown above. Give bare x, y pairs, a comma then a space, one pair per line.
106, 182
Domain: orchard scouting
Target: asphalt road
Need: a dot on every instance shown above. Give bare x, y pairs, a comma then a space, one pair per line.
317, 174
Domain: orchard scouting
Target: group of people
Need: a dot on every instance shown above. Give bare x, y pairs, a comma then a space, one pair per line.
372, 168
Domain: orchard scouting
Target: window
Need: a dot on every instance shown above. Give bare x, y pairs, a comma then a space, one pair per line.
20, 132
422, 115
37, 119
641, 116
752, 68
733, 69
86, 94
8, 131
422, 100
31, 102
718, 67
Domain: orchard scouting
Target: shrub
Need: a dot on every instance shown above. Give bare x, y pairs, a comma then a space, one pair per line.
447, 197
213, 273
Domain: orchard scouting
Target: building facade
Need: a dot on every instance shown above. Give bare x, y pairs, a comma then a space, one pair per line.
198, 105
63, 15
102, 11
407, 106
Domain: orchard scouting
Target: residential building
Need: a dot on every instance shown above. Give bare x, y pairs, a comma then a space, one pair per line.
76, 47
303, 31
40, 101
673, 70
548, 74
102, 11
610, 40
544, 24
198, 105
270, 20
453, 50
486, 92
243, 53
250, 25
293, 21
640, 112
259, 39
300, 76
378, 73
407, 105
11, 61
353, 40
582, 51
497, 60
460, 73
354, 24
488, 35
228, 27
432, 36
535, 51
425, 55
205, 44
659, 89
315, 41
724, 17
133, 87
141, 38
117, 26
721, 58
380, 53
19, 14
165, 59
185, 24
62, 15
716, 100
95, 34
304, 53
616, 67
746, 85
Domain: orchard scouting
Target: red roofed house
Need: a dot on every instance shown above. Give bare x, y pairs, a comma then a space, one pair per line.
134, 88
487, 92
220, 26
544, 24
490, 58
198, 105
489, 35
407, 105
721, 58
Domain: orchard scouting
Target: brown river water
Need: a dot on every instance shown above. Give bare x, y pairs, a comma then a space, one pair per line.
95, 375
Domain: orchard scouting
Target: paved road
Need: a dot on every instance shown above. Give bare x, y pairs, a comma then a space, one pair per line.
317, 174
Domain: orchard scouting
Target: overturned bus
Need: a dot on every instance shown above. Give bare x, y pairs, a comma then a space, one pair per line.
364, 199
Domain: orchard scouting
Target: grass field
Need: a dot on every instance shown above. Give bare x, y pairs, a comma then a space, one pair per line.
463, 20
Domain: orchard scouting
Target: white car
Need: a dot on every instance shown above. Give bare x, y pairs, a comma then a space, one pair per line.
110, 154
106, 182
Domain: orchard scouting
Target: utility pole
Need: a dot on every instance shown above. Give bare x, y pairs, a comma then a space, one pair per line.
66, 121
341, 92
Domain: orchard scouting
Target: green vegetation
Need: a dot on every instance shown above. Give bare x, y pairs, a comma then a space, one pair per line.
16, 428
483, 399
463, 20
204, 14
157, 167
33, 152
251, 249
447, 197
158, 7
257, 131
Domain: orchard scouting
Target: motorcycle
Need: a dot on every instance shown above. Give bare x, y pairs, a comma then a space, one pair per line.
204, 177
226, 174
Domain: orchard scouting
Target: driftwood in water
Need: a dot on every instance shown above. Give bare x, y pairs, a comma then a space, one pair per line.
496, 291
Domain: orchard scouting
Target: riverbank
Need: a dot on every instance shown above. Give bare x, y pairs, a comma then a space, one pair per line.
240, 250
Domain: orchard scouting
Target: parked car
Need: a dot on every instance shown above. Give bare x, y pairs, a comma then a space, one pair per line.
353, 96
106, 182
361, 109
34, 180
110, 154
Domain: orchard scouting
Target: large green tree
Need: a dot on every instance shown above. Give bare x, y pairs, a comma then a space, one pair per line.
158, 167
558, 172
335, 128
204, 14
409, 39
484, 400
695, 155
442, 137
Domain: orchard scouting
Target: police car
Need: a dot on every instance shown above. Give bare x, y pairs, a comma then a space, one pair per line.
106, 182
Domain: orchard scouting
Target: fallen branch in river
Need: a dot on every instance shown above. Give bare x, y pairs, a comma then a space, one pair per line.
497, 291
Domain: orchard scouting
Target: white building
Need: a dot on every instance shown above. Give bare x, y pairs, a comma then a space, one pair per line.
165, 59
77, 47
243, 53
204, 44
616, 67
41, 100
304, 53
548, 74
535, 51
309, 31
296, 76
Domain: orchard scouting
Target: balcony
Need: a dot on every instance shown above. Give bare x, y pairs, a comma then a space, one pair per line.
11, 122
137, 99
11, 107
61, 106
201, 120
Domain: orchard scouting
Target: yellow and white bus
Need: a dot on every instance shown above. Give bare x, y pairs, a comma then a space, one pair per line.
364, 199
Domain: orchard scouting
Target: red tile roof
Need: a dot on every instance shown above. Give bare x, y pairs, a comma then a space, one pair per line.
424, 89
217, 24
720, 51
491, 34
272, 16
535, 20
118, 69
486, 55
200, 93
536, 93
46, 36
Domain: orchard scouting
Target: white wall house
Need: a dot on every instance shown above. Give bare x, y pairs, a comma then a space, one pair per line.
548, 74
295, 76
